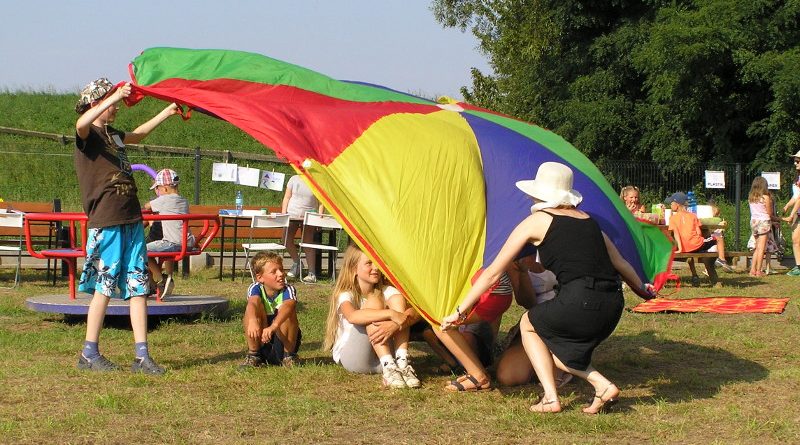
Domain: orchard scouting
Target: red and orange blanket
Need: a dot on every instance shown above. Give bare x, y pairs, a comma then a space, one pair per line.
718, 305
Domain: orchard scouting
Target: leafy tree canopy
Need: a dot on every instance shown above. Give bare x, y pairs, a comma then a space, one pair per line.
679, 81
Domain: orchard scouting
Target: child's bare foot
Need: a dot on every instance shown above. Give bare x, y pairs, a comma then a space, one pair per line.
547, 406
603, 401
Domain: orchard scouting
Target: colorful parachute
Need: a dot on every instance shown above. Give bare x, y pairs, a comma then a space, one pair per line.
427, 189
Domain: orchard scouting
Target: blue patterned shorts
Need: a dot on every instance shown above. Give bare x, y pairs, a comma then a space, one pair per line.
116, 258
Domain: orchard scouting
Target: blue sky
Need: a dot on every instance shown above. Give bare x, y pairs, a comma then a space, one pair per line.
62, 45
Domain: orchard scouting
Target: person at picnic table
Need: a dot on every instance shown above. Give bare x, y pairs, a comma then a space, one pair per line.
271, 328
562, 333
630, 195
762, 217
168, 202
115, 249
688, 236
792, 219
297, 200
361, 305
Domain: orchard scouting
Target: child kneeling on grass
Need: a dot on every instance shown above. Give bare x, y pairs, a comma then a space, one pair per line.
270, 320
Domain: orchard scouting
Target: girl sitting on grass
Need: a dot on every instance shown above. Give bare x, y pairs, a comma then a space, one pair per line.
360, 299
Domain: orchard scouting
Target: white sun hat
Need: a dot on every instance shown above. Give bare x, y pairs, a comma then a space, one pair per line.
552, 186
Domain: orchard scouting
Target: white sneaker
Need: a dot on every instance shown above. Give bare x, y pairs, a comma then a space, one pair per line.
392, 377
169, 286
410, 377
310, 278
293, 272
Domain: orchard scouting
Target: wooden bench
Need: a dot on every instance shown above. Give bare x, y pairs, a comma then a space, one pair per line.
242, 227
43, 235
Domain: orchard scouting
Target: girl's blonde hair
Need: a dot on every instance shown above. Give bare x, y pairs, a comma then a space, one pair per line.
758, 189
346, 281
627, 189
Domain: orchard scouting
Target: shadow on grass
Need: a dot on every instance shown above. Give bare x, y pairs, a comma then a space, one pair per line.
153, 321
671, 371
675, 371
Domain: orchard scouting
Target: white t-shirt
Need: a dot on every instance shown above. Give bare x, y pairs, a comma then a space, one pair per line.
543, 284
345, 328
302, 199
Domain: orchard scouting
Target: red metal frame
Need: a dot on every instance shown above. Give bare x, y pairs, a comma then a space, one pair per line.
77, 249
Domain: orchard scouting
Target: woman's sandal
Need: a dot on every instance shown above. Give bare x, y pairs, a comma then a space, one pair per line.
457, 385
546, 406
605, 404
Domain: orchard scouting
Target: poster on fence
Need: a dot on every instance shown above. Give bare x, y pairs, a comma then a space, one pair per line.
248, 176
715, 179
272, 180
224, 172
773, 179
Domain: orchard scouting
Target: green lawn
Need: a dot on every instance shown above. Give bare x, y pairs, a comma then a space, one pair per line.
691, 378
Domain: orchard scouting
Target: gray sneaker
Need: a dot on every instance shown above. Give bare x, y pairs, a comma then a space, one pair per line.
97, 364
724, 264
252, 361
146, 365
294, 272
290, 361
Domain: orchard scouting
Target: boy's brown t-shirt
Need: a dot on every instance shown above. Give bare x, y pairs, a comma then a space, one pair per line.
108, 191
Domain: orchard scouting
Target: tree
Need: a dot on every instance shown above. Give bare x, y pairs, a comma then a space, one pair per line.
678, 81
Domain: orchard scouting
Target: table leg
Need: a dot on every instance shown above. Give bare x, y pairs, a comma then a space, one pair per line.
235, 241
221, 245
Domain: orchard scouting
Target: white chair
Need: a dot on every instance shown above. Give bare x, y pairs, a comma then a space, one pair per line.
13, 220
312, 221
271, 221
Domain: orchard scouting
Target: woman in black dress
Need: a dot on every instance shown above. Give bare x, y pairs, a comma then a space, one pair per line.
563, 332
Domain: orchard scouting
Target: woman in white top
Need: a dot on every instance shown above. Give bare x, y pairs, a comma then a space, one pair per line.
298, 200
360, 300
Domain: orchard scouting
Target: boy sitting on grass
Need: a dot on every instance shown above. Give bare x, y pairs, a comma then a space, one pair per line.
270, 320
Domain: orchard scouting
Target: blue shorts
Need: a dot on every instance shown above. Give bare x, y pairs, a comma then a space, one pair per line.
116, 258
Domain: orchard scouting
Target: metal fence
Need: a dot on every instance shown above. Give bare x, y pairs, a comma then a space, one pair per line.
657, 180
50, 155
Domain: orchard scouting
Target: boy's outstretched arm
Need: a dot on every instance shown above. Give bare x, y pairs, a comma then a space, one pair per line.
143, 130
84, 122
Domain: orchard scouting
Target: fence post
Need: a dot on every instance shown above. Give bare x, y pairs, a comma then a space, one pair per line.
185, 263
197, 175
738, 200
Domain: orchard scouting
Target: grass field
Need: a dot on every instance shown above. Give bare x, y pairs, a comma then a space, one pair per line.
691, 378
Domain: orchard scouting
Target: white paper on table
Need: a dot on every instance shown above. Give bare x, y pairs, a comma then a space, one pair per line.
715, 179
248, 176
773, 180
223, 172
705, 211
272, 180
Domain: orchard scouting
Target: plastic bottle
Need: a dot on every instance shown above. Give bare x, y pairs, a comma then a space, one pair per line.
692, 202
239, 202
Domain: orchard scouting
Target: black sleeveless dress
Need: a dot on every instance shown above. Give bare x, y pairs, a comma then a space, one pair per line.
588, 303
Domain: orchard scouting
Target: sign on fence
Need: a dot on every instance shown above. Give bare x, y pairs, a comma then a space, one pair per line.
773, 179
715, 179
